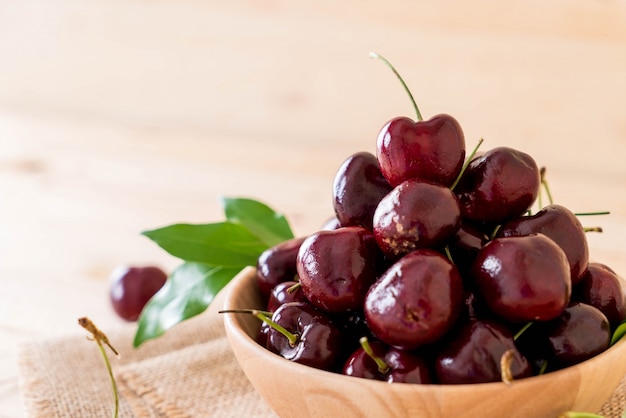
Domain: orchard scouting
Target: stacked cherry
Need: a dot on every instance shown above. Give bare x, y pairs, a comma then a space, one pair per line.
435, 269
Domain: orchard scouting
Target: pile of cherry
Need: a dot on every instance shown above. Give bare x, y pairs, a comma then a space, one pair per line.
436, 270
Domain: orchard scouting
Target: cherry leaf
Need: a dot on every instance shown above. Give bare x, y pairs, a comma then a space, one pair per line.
269, 226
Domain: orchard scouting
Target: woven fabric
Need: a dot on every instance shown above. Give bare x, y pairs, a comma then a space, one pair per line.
190, 372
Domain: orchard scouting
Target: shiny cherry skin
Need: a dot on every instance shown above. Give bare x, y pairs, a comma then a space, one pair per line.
357, 188
416, 301
580, 333
603, 289
563, 227
474, 354
277, 264
319, 341
498, 186
403, 366
336, 268
523, 278
431, 150
415, 215
131, 287
285, 292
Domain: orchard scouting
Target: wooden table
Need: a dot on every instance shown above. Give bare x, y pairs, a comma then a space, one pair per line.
116, 117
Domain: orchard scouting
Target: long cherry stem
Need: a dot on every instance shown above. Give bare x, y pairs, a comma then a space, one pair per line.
406, 88
266, 317
468, 160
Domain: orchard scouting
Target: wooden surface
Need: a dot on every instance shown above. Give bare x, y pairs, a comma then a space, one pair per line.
119, 116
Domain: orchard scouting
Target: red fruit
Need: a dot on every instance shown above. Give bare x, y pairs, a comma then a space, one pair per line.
132, 287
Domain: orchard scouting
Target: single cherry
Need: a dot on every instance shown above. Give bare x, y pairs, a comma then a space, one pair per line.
132, 287
285, 292
431, 150
357, 188
415, 215
378, 361
475, 355
277, 264
499, 185
563, 227
603, 289
336, 268
416, 301
523, 278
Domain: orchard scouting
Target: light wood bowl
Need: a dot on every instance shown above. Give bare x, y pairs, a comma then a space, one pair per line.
294, 390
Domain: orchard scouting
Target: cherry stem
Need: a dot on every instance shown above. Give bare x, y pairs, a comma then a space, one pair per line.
466, 164
265, 316
521, 331
293, 288
101, 339
593, 229
383, 367
573, 414
505, 366
406, 88
543, 368
544, 183
592, 213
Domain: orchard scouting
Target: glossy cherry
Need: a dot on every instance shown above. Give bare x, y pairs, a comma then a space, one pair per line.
357, 188
416, 301
277, 264
415, 215
378, 361
523, 278
563, 227
131, 287
603, 289
474, 355
336, 268
285, 292
499, 185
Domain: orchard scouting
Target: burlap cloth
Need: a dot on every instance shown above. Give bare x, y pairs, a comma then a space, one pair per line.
189, 372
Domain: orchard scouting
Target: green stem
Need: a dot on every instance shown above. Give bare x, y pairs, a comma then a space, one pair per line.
113, 384
383, 367
266, 317
406, 88
466, 164
544, 183
521, 331
572, 414
592, 229
606, 212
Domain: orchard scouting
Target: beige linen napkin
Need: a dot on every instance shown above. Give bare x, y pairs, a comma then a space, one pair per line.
189, 372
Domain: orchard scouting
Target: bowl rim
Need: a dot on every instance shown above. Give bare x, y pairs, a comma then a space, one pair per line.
233, 326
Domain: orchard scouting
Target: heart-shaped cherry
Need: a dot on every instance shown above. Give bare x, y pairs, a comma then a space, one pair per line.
523, 278
563, 227
336, 268
357, 188
499, 185
416, 301
432, 150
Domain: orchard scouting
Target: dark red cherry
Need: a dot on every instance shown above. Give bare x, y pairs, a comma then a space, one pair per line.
563, 227
415, 215
474, 355
465, 245
132, 287
277, 264
395, 366
416, 301
603, 289
431, 150
580, 333
357, 188
336, 268
285, 292
498, 186
317, 341
523, 278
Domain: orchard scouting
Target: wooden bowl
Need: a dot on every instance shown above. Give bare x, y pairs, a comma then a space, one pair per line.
294, 390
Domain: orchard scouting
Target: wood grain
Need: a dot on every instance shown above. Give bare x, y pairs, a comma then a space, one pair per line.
118, 116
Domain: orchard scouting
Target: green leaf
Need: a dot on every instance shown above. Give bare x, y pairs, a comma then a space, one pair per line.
189, 290
271, 227
225, 244
619, 332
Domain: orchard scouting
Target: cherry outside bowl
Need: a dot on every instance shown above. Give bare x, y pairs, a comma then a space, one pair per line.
294, 390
